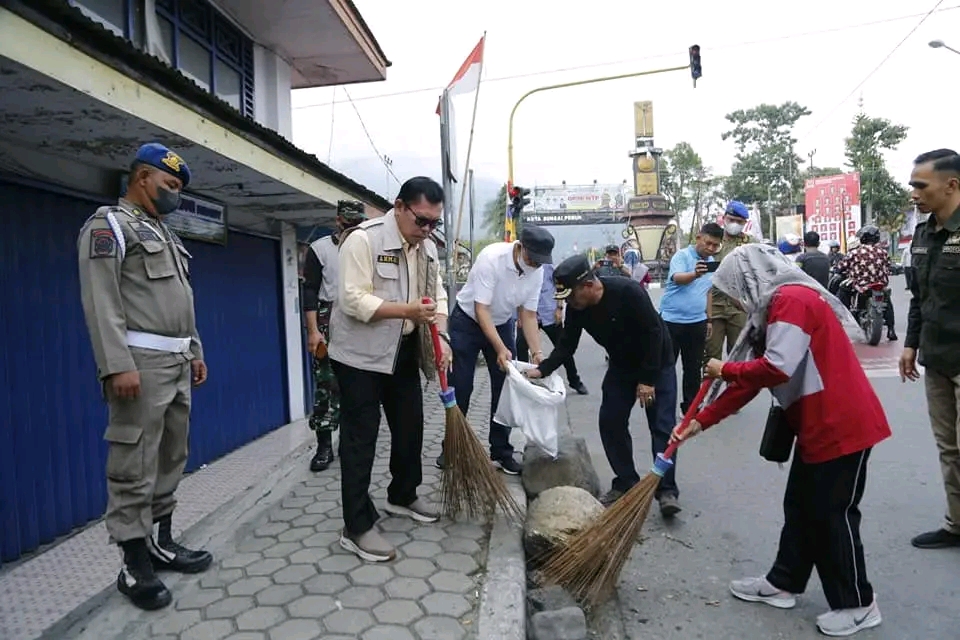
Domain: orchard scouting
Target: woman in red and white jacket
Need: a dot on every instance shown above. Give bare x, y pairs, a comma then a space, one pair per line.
795, 345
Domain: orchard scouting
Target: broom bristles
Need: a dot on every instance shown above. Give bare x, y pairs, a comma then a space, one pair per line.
470, 485
589, 564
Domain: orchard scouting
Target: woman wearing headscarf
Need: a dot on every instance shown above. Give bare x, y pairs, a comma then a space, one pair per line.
795, 344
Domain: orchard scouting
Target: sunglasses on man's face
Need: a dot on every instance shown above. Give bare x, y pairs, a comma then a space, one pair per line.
425, 222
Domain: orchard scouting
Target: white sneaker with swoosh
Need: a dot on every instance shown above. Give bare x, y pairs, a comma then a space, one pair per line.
759, 590
846, 622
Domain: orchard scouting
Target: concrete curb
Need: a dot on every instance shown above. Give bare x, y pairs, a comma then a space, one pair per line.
218, 532
503, 600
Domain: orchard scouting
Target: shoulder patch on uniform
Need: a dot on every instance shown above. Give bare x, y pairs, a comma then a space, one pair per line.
384, 258
103, 244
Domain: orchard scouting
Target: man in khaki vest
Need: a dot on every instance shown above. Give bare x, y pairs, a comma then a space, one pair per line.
379, 344
138, 304
726, 320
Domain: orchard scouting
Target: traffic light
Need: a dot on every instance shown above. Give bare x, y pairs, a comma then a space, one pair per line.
695, 69
519, 199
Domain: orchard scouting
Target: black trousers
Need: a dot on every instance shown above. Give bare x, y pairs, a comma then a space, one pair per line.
689, 341
821, 529
467, 343
362, 393
619, 395
553, 332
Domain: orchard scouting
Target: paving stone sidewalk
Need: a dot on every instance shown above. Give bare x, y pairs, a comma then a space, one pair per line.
289, 579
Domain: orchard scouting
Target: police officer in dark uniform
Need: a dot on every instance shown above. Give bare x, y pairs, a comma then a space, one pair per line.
619, 315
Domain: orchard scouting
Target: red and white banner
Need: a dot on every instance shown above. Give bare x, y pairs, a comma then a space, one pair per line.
833, 207
467, 79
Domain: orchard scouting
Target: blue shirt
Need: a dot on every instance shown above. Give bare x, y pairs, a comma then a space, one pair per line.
548, 304
686, 304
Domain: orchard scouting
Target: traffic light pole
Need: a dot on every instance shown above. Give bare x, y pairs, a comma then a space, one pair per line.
564, 85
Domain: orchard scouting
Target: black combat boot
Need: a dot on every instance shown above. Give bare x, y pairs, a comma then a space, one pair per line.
324, 457
137, 580
167, 555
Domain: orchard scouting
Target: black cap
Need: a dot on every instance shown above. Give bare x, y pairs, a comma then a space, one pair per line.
612, 248
569, 273
538, 242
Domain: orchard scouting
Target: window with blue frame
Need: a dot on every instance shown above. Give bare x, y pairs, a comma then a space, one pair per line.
192, 36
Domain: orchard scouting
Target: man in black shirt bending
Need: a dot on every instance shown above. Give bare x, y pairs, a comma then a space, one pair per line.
619, 315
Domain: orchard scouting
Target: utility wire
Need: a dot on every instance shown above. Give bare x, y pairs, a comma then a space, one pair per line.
719, 47
380, 156
896, 47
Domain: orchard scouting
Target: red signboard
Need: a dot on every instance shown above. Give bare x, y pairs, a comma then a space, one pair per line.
833, 207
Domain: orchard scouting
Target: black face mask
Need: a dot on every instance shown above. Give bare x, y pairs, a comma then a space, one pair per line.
167, 201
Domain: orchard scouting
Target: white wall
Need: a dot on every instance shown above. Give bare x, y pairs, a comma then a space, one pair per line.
272, 107
292, 320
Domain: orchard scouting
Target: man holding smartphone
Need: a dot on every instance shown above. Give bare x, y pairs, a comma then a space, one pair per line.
686, 304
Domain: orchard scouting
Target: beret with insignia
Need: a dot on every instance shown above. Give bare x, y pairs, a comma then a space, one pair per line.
156, 155
570, 273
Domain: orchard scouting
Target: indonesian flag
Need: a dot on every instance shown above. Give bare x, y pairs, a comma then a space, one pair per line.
467, 79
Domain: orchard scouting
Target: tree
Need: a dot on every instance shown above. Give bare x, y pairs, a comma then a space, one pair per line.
883, 198
679, 169
819, 172
767, 167
495, 213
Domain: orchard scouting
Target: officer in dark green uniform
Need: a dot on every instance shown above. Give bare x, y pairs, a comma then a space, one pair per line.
320, 275
726, 320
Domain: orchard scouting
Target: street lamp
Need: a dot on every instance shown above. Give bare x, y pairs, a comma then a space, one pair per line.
940, 44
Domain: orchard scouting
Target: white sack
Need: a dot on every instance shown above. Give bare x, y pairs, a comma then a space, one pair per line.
533, 406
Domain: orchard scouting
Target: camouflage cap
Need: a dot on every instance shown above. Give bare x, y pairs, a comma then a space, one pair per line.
352, 210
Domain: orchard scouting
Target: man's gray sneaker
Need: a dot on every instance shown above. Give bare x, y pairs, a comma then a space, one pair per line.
759, 590
610, 497
419, 510
846, 622
669, 505
369, 546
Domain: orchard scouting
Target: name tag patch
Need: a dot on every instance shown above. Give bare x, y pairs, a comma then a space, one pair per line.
102, 243
918, 251
388, 259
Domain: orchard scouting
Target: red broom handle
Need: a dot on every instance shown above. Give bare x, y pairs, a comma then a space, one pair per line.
688, 416
437, 350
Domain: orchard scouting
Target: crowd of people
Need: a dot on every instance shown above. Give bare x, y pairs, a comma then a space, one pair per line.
373, 290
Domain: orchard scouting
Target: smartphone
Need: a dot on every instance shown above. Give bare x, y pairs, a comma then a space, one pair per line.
711, 266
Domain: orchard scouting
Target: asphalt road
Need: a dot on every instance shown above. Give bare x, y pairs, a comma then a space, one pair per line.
675, 585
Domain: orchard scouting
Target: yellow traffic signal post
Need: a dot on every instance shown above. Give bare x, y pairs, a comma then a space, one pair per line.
696, 71
576, 83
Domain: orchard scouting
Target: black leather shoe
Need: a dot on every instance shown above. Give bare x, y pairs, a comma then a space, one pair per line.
324, 457
137, 580
440, 462
580, 388
939, 539
892, 335
167, 555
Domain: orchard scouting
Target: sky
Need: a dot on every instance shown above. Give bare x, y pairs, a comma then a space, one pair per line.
817, 53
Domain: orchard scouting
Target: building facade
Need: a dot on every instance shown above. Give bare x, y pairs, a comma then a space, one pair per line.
82, 84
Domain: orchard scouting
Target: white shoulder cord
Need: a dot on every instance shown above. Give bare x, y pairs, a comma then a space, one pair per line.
118, 232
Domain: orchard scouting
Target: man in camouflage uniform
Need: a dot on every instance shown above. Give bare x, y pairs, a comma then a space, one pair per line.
320, 276
726, 320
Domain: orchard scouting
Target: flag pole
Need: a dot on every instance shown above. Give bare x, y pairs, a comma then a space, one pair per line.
473, 121
448, 181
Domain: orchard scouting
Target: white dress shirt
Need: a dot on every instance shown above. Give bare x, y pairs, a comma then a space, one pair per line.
496, 281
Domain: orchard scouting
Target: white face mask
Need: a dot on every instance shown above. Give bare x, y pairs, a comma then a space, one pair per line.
527, 269
733, 228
